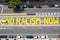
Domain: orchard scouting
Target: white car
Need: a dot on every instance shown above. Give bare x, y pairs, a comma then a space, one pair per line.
18, 36
57, 6
35, 37
43, 36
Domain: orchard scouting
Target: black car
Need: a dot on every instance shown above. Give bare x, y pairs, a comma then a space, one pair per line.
51, 5
30, 6
29, 36
38, 7
12, 36
3, 36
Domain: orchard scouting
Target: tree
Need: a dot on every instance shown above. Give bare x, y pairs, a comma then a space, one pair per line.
15, 3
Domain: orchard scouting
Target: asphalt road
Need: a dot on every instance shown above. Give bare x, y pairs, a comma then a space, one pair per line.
53, 31
42, 10
32, 10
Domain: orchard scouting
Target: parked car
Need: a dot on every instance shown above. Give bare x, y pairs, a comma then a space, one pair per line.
19, 36
43, 36
57, 6
24, 6
51, 5
12, 36
35, 37
38, 6
29, 36
3, 36
30, 6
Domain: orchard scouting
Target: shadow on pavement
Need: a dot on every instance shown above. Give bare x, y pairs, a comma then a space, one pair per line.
18, 10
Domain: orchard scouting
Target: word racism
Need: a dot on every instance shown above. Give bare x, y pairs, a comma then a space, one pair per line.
30, 20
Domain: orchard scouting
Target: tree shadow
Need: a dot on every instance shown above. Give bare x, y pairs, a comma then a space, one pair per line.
18, 10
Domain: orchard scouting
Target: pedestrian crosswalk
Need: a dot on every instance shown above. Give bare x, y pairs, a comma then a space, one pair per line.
49, 13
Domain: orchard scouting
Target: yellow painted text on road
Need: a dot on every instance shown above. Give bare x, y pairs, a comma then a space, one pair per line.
30, 21
51, 20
